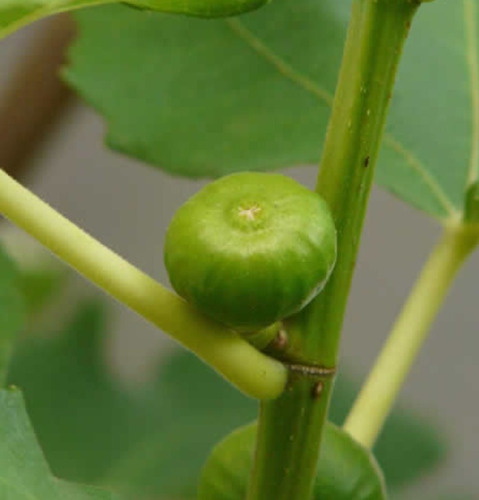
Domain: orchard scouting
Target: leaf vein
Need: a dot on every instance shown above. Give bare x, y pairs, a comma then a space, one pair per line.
303, 81
433, 185
258, 45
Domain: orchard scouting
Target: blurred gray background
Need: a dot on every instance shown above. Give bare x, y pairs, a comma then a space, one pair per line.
127, 205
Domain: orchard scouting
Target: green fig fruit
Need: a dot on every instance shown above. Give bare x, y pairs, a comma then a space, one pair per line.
250, 249
346, 470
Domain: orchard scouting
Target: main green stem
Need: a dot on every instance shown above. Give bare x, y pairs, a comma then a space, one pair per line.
380, 390
290, 427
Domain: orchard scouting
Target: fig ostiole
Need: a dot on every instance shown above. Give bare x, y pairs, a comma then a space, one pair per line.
250, 249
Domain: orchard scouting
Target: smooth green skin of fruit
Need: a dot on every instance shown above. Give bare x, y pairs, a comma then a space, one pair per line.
346, 470
250, 249
201, 8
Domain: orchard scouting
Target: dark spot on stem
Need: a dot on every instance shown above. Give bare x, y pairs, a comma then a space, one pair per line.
366, 162
317, 389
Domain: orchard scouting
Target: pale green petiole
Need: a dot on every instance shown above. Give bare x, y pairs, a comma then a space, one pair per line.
248, 369
384, 382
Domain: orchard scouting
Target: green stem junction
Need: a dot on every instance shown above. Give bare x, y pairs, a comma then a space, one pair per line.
251, 371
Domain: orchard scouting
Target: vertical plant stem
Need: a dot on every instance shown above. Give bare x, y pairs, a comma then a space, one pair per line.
380, 390
290, 427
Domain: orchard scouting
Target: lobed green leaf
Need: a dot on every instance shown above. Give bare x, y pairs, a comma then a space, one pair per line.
254, 93
72, 400
24, 474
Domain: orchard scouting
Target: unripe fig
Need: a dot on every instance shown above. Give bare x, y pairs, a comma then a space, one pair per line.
346, 470
250, 249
